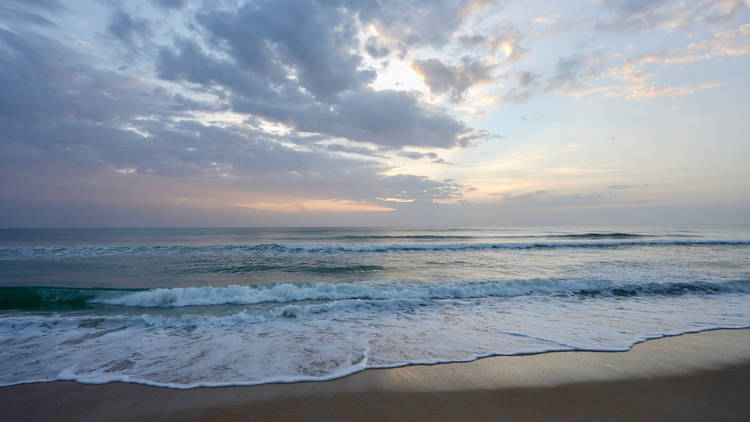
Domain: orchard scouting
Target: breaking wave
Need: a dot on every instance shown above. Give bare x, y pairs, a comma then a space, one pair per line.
32, 298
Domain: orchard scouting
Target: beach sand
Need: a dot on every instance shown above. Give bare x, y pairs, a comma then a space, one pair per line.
703, 376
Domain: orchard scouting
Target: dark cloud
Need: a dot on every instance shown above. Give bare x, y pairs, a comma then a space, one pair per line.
392, 119
44, 80
310, 41
454, 80
415, 155
376, 48
129, 30
170, 4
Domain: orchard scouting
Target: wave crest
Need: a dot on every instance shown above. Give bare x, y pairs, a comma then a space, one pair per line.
30, 298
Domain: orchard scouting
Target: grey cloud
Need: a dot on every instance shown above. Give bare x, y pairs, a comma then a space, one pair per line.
632, 7
527, 79
312, 39
416, 155
17, 15
526, 82
632, 14
22, 12
45, 80
481, 135
567, 70
188, 62
353, 150
454, 80
129, 30
572, 71
627, 187
516, 96
505, 37
294, 64
68, 127
170, 4
375, 48
724, 11
388, 118
51, 5
414, 23
666, 14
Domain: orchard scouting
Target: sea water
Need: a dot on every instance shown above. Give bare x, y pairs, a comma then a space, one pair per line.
210, 307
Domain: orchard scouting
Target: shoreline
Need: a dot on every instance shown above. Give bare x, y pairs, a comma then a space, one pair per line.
373, 368
695, 376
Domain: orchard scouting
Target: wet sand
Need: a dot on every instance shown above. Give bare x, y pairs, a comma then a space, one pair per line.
704, 376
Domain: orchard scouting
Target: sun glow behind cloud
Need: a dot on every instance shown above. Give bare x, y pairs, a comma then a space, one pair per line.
315, 206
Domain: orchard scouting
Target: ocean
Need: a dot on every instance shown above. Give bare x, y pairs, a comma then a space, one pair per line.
183, 308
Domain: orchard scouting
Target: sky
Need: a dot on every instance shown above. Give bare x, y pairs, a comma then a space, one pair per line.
374, 112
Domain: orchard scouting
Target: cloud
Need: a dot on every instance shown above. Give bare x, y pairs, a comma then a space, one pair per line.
297, 65
526, 82
309, 41
130, 31
415, 155
666, 15
575, 74
392, 119
527, 79
572, 71
170, 4
353, 150
581, 75
547, 20
75, 132
712, 85
734, 42
15, 12
407, 24
316, 205
453, 80
504, 37
376, 48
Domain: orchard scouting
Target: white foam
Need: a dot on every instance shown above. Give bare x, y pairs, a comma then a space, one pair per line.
316, 341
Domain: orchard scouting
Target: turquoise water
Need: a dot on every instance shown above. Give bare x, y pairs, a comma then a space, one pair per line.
189, 307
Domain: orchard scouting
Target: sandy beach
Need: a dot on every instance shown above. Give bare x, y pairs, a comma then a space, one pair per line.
702, 376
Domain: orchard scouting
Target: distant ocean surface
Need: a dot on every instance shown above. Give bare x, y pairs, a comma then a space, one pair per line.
209, 307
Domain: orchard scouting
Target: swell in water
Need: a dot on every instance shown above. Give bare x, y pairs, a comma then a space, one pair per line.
87, 251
